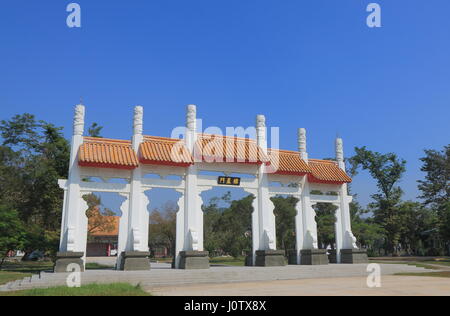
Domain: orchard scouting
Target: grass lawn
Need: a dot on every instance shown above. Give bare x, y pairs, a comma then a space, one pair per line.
418, 264
6, 276
37, 266
12, 271
114, 289
228, 261
444, 274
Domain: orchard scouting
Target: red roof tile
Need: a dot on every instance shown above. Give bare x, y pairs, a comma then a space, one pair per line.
216, 148
164, 151
107, 153
288, 162
327, 171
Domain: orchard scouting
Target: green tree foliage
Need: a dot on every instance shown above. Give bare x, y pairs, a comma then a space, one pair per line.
33, 156
326, 219
435, 189
12, 232
95, 130
163, 227
387, 170
369, 234
285, 213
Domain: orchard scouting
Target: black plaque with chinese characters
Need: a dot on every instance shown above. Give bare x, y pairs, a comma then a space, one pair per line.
229, 181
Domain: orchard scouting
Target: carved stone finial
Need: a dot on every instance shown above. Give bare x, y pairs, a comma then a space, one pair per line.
302, 140
78, 120
260, 121
339, 150
138, 122
191, 117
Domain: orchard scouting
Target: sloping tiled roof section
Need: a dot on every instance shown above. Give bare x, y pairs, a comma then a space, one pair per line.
215, 148
164, 151
288, 162
327, 171
107, 153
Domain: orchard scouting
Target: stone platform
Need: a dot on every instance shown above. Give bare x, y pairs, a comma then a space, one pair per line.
162, 275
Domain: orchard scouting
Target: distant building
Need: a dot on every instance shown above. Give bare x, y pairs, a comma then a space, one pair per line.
104, 243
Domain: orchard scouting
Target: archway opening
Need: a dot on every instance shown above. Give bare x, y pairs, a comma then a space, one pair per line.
103, 224
326, 227
228, 225
163, 209
285, 213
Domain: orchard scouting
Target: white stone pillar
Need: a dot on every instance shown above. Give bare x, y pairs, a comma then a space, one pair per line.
348, 241
299, 228
309, 219
338, 232
138, 217
123, 229
266, 217
190, 223
74, 214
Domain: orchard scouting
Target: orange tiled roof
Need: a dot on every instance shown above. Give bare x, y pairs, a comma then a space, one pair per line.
288, 162
218, 148
107, 153
115, 232
164, 151
327, 171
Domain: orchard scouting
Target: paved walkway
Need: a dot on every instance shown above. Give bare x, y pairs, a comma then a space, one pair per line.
353, 286
162, 276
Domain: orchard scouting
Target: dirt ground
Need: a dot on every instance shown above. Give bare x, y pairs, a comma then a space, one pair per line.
391, 286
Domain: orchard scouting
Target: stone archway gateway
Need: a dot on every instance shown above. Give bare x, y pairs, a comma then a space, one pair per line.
187, 158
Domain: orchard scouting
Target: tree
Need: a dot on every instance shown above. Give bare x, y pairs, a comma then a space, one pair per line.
162, 231
387, 170
235, 226
435, 190
285, 213
212, 231
99, 220
95, 130
436, 186
369, 234
33, 156
326, 219
12, 232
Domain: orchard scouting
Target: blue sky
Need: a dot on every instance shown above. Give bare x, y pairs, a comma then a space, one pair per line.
308, 63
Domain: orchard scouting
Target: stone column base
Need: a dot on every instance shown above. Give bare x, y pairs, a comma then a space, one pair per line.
332, 257
135, 261
190, 260
64, 259
354, 256
270, 258
292, 257
313, 257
